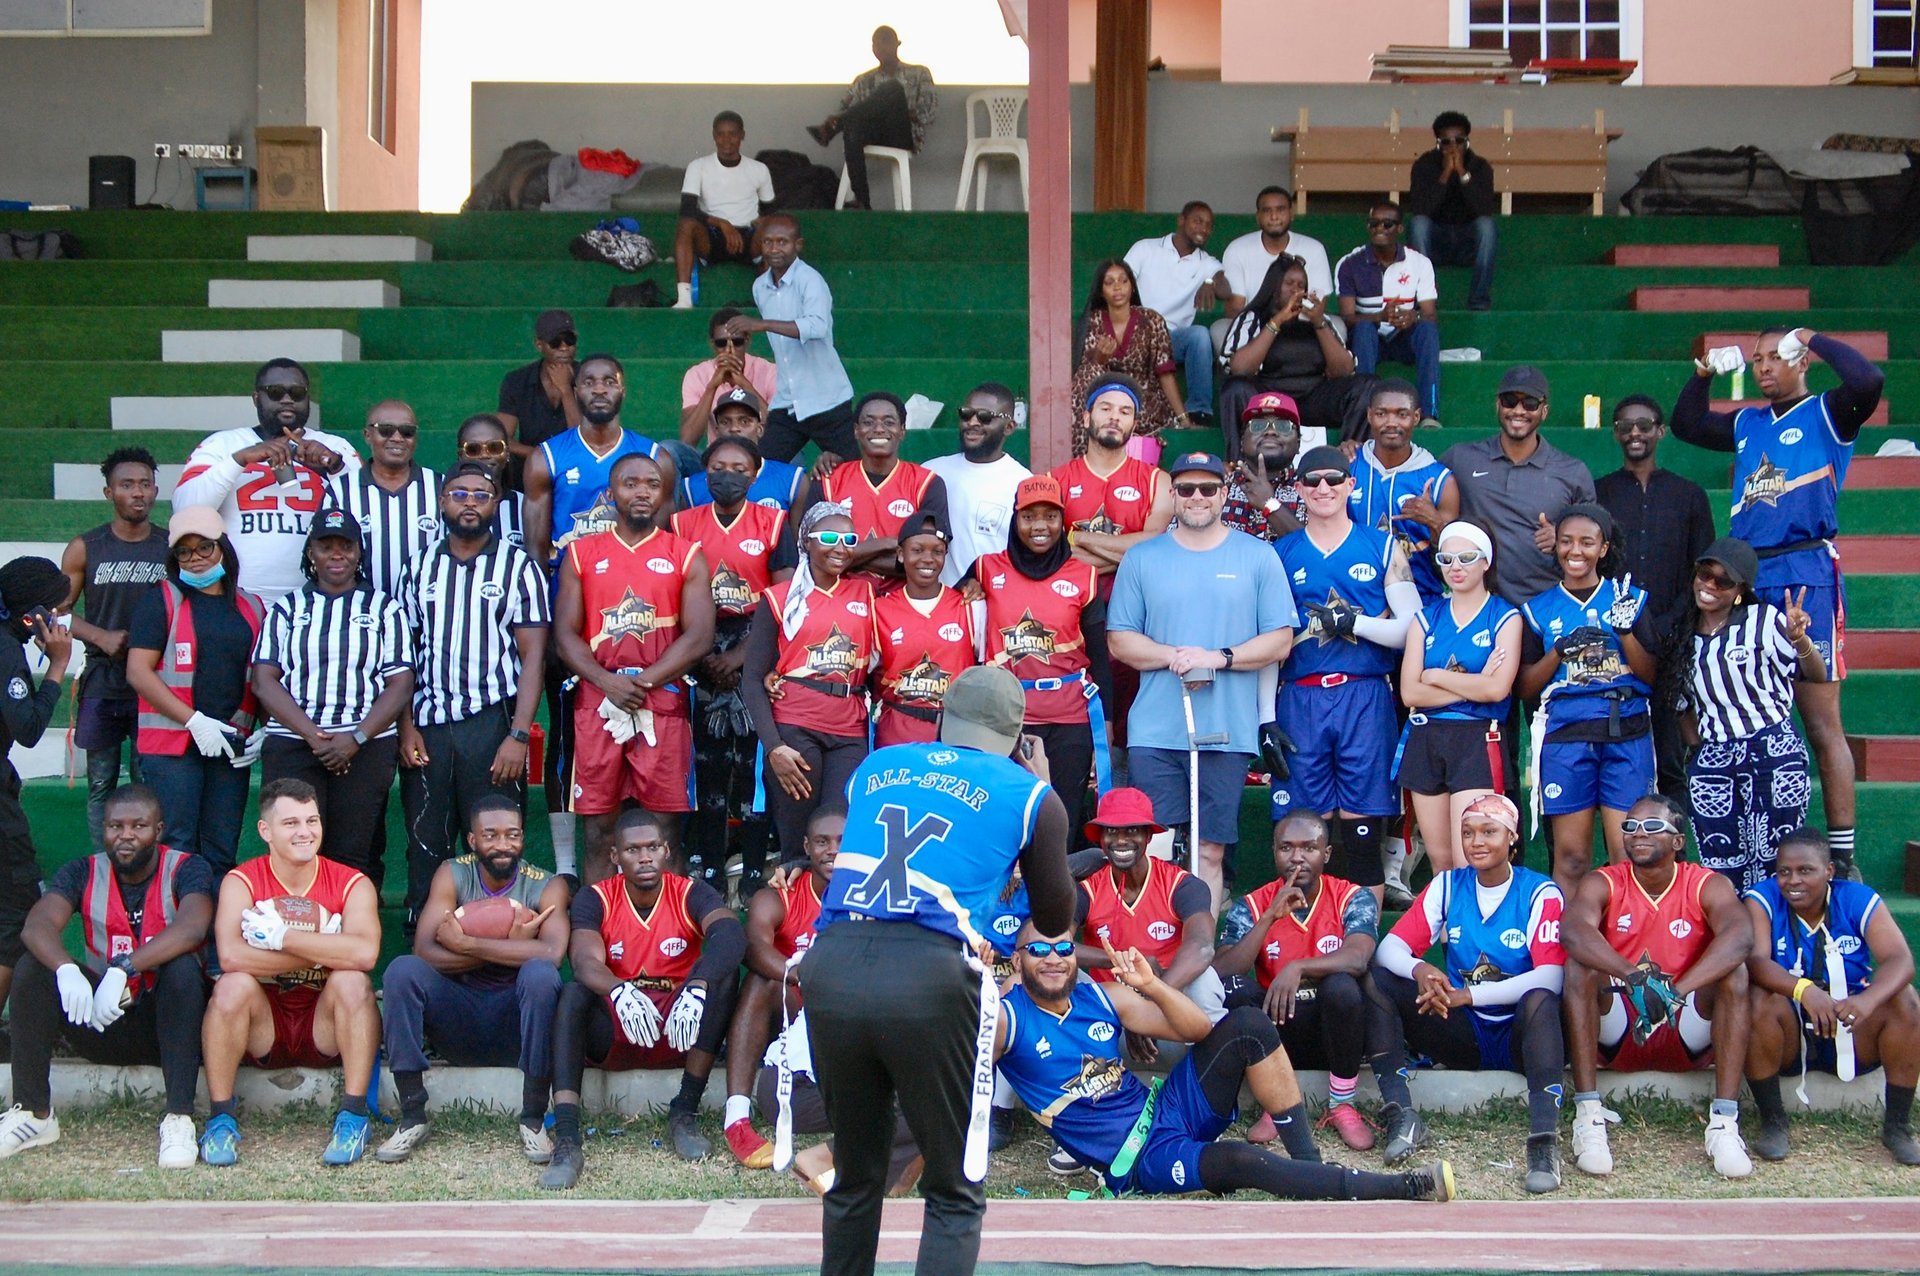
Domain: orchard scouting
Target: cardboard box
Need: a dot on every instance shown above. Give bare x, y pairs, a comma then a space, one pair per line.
292, 164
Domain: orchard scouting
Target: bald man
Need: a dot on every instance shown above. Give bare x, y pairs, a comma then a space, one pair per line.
395, 500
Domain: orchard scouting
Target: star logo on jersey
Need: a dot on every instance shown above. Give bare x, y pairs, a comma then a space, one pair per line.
1485, 972
1097, 1078
1027, 639
1765, 486
1594, 662
730, 589
1338, 606
923, 683
1099, 523
597, 517
630, 617
833, 656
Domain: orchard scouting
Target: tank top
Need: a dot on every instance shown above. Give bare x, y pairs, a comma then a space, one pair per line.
834, 643
658, 951
878, 510
919, 656
118, 574
739, 557
1353, 573
1671, 930
1292, 939
331, 885
630, 604
581, 505
1151, 923
1787, 474
1591, 682
1465, 648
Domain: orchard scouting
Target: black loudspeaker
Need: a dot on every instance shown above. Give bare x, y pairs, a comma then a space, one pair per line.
109, 181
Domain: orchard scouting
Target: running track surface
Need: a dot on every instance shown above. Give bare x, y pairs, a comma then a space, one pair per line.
1770, 1235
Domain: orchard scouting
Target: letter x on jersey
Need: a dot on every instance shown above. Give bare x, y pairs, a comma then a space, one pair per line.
886, 885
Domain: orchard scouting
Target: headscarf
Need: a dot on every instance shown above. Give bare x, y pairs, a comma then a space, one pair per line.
1039, 566
794, 614
1497, 807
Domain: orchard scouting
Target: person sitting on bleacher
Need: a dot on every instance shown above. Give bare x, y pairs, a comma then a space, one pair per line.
1178, 278
891, 105
1391, 288
723, 195
732, 366
1284, 341
1451, 205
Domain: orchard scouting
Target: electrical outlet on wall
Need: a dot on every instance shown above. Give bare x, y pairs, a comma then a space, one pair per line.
162, 151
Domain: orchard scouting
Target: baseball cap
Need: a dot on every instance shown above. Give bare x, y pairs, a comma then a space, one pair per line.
1271, 403
1197, 463
1525, 378
334, 523
1121, 809
1041, 489
1736, 556
552, 323
1324, 457
983, 709
741, 397
195, 520
922, 522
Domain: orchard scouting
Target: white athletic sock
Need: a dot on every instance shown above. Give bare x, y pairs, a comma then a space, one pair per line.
683, 297
560, 826
739, 1108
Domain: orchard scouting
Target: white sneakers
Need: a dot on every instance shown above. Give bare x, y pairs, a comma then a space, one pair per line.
536, 1143
401, 1145
1591, 1153
1727, 1148
21, 1129
179, 1142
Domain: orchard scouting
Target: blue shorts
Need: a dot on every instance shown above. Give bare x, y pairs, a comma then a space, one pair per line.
1822, 1057
1184, 1123
1825, 603
1346, 737
1162, 775
1495, 1037
1582, 774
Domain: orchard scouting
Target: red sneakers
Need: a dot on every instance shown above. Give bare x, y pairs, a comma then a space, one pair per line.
1349, 1125
750, 1149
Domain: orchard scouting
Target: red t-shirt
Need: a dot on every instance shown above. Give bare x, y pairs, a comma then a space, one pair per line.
739, 557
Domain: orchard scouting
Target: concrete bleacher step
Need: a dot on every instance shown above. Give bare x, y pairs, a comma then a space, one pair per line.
1871, 345
301, 294
1884, 758
1671, 297
1880, 414
257, 345
1693, 255
204, 412
79, 481
1882, 648
338, 248
1879, 555
1884, 472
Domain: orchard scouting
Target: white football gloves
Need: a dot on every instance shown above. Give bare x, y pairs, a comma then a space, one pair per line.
683, 1022
212, 739
106, 998
263, 927
639, 1017
76, 994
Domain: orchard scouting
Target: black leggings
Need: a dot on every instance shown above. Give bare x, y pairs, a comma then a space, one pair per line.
162, 1026
1329, 1031
723, 770
831, 760
583, 1029
1069, 747
1537, 1046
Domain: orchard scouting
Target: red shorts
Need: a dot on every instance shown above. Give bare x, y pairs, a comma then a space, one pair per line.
658, 776
624, 1056
895, 727
293, 1031
1663, 1052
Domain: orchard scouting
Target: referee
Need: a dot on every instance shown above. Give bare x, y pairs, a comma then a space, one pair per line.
477, 611
334, 671
393, 498
901, 1007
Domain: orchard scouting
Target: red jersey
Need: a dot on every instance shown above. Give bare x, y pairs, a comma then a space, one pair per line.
630, 601
878, 511
795, 933
1672, 930
1153, 923
660, 950
919, 656
1117, 504
834, 643
739, 556
329, 890
1033, 629
1290, 939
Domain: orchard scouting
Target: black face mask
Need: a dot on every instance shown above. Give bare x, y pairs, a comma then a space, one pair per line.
729, 487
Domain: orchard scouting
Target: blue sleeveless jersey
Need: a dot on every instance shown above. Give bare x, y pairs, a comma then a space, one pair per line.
581, 505
1803, 953
1485, 950
1008, 916
775, 487
1376, 501
1590, 682
1356, 573
1069, 1074
1466, 648
1787, 473
932, 836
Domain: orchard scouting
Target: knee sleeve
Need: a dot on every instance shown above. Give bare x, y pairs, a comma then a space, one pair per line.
1249, 1032
1695, 1029
1613, 1022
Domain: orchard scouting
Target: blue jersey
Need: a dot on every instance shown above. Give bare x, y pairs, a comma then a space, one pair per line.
1010, 913
1379, 494
1596, 680
1787, 473
1466, 648
581, 503
932, 836
1803, 952
1488, 949
1354, 573
1069, 1073
776, 487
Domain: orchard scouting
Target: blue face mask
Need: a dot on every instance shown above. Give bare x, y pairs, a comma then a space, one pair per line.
200, 580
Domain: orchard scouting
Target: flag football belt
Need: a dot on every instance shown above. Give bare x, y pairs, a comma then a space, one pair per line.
1096, 719
1496, 757
1129, 1150
838, 690
921, 712
1775, 551
1337, 679
650, 983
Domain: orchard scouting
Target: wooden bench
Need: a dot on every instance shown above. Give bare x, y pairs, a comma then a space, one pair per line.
1529, 161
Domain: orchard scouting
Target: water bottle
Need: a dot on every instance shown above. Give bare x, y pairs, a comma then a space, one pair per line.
694, 283
1590, 412
1019, 414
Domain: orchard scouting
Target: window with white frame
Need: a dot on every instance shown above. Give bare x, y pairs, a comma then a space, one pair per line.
1884, 32
1532, 29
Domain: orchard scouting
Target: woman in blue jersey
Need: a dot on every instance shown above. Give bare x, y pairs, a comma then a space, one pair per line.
1589, 647
1456, 679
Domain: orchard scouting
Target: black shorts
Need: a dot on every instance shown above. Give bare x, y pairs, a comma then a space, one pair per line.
104, 724
1448, 755
717, 243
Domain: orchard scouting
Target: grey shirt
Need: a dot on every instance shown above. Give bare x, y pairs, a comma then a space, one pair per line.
1509, 499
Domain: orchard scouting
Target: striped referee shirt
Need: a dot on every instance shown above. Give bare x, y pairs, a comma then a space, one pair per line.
510, 519
463, 617
334, 652
1742, 680
395, 526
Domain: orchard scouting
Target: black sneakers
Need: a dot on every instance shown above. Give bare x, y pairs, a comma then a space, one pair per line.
1899, 1140
688, 1143
1543, 1163
1433, 1183
1406, 1132
1771, 1141
563, 1171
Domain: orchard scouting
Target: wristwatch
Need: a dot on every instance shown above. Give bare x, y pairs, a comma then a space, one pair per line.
515, 733
1226, 654
1273, 505
124, 964
359, 738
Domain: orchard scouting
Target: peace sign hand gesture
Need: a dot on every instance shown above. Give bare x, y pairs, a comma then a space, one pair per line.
1130, 968
1797, 618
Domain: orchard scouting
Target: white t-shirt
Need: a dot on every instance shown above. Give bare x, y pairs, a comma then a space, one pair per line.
266, 522
1167, 280
979, 505
1247, 260
729, 194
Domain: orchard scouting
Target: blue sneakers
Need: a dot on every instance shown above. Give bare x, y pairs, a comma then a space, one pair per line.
220, 1142
349, 1141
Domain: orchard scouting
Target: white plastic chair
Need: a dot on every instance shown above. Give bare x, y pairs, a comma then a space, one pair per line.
1004, 108
902, 176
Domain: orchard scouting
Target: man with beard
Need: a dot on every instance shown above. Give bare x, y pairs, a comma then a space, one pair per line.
394, 498
812, 398
981, 479
268, 481
1387, 301
1399, 487
144, 909
881, 489
1178, 278
1058, 1043
482, 1002
632, 616
1247, 258
1113, 500
478, 611
483, 439
1262, 499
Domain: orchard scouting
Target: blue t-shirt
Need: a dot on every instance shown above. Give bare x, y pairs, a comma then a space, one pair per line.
775, 486
1803, 953
1354, 573
932, 836
581, 503
1199, 598
1069, 1074
1787, 473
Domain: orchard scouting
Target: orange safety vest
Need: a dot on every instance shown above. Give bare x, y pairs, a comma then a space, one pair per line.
160, 735
105, 927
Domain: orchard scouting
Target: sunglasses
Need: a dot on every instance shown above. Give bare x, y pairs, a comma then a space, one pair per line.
1382, 223
1322, 478
1515, 399
1709, 576
830, 539
728, 343
1654, 825
564, 339
388, 431
984, 416
1450, 141
1272, 425
469, 495
283, 393
1049, 948
1636, 425
1196, 489
493, 448
1465, 558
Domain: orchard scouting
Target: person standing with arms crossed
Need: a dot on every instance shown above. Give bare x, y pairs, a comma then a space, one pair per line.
903, 1005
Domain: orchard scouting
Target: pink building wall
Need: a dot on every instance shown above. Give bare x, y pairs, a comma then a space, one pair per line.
1746, 42
372, 178
1313, 42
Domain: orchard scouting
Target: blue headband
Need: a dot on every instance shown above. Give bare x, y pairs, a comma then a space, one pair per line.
1121, 386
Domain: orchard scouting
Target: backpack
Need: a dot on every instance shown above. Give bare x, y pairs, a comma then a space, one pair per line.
37, 245
798, 182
